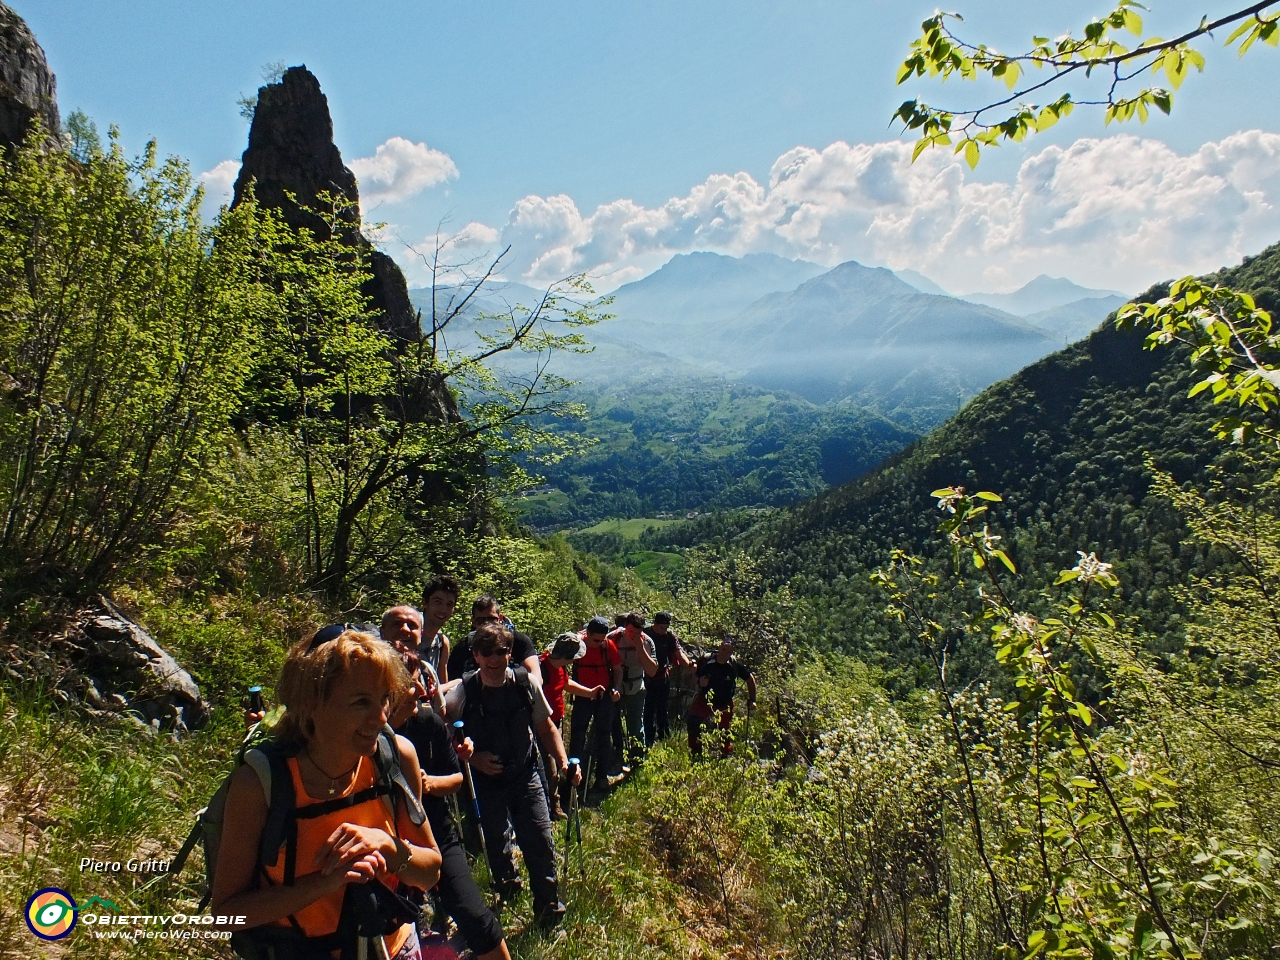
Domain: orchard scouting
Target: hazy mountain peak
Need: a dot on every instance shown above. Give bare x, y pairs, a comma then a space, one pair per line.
922, 283
693, 289
867, 281
701, 266
1042, 293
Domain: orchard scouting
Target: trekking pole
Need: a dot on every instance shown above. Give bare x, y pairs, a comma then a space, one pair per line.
570, 772
591, 754
458, 731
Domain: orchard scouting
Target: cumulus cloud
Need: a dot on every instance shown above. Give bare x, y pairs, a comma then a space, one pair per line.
400, 169
1118, 212
218, 183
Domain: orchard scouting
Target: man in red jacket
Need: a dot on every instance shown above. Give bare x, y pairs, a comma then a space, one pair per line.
600, 672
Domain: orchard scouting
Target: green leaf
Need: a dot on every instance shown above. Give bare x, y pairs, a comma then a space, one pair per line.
986, 495
1239, 32
971, 153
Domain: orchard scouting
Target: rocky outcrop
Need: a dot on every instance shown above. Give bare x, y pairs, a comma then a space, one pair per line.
291, 151
127, 672
28, 89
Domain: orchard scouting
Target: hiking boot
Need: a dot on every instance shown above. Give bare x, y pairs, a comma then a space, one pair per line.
557, 812
615, 779
549, 916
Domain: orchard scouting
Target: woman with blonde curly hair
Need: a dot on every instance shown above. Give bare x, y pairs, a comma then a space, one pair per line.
355, 832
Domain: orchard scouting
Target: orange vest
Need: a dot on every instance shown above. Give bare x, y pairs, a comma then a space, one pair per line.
320, 918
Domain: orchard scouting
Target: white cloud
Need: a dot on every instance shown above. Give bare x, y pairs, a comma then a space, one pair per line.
1119, 212
400, 169
218, 183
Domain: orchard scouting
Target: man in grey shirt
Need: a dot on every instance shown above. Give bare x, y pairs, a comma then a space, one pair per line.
639, 661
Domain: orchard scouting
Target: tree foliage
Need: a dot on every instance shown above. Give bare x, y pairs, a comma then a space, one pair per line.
1099, 49
127, 334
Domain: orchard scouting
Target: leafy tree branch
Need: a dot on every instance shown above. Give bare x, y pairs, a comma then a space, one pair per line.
940, 52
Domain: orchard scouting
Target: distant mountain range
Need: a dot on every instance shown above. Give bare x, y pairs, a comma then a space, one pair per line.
895, 344
1068, 443
861, 335
1042, 293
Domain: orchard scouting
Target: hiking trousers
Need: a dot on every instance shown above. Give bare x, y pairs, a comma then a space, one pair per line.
657, 704
520, 800
600, 750
633, 713
697, 724
461, 898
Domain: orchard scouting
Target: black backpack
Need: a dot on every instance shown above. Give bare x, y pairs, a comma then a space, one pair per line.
519, 710
367, 908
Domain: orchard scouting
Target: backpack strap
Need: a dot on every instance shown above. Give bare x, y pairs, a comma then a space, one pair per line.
390, 773
524, 682
270, 763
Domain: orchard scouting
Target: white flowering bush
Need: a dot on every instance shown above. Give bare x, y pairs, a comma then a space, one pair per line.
1091, 820
869, 871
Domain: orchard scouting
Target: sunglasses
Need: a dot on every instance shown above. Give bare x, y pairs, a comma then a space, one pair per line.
326, 634
499, 652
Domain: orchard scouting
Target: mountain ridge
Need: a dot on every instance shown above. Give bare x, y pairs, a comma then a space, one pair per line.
1041, 293
862, 334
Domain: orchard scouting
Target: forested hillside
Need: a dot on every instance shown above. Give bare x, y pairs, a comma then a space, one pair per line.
1066, 442
675, 444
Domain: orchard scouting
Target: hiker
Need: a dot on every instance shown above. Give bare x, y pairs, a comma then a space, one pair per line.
555, 661
599, 670
485, 610
718, 675
402, 628
639, 661
668, 653
438, 757
617, 738
356, 831
439, 600
503, 710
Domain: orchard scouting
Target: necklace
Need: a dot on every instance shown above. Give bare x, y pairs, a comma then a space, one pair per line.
333, 781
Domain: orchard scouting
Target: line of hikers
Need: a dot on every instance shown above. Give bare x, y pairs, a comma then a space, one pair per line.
343, 813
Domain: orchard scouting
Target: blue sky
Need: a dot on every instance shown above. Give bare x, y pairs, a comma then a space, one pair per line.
580, 106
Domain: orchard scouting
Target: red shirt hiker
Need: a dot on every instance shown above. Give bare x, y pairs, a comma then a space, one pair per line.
554, 680
595, 669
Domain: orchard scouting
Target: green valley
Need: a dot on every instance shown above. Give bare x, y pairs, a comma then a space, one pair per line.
672, 446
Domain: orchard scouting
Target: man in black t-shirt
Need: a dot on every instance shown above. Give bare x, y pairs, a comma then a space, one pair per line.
485, 610
669, 654
718, 676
